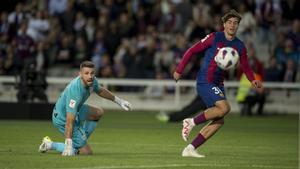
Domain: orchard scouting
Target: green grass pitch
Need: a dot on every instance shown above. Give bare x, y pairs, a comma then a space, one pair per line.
136, 140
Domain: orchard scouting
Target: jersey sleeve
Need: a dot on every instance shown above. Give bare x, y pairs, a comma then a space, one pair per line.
245, 65
72, 101
96, 86
197, 47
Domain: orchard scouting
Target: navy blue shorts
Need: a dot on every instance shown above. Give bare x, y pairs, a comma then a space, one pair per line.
210, 93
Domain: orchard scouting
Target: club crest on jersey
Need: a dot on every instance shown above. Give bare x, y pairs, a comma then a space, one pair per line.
72, 103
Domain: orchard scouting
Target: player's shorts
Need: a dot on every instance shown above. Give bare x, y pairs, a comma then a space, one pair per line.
79, 137
210, 93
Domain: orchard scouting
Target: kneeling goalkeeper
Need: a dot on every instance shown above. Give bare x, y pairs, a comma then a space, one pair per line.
75, 119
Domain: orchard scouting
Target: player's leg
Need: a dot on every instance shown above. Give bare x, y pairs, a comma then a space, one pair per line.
207, 131
90, 116
219, 111
221, 108
215, 99
86, 150
47, 145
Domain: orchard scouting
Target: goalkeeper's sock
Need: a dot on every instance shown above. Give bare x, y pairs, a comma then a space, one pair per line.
200, 118
199, 140
89, 127
58, 146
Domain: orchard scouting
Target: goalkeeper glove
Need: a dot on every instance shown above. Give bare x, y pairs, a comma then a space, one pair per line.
123, 103
68, 151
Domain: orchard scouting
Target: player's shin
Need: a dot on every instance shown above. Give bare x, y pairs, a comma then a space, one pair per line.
58, 146
200, 118
89, 126
199, 140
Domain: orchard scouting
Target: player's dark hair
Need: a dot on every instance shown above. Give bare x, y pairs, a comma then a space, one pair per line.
231, 14
88, 64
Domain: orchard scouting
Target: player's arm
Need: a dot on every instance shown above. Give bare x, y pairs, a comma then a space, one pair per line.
110, 96
247, 70
70, 119
69, 125
197, 47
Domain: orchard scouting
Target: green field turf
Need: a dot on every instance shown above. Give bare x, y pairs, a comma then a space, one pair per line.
136, 140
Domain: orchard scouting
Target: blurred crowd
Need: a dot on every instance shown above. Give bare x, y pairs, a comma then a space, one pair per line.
144, 38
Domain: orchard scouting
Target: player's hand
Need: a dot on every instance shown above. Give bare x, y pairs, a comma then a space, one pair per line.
123, 103
257, 84
68, 151
176, 76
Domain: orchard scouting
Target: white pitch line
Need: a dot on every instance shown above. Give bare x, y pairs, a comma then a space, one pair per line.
156, 166
185, 165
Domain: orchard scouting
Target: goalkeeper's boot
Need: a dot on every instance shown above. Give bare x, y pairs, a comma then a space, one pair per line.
188, 125
190, 151
46, 145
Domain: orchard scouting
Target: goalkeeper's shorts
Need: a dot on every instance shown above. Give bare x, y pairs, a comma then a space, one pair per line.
79, 137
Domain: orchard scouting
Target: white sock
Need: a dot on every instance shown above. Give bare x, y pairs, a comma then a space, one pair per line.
49, 145
191, 146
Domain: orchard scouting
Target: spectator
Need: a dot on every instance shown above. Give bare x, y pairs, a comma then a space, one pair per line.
67, 17
41, 58
81, 52
38, 26
283, 54
65, 51
272, 72
248, 97
247, 24
294, 34
89, 30
57, 7
163, 60
24, 46
16, 17
9, 61
147, 55
105, 70
268, 13
98, 49
289, 75
4, 25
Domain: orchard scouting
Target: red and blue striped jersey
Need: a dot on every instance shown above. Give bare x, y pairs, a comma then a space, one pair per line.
209, 71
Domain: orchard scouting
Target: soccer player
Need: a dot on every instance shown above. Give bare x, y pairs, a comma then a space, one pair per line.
210, 79
75, 119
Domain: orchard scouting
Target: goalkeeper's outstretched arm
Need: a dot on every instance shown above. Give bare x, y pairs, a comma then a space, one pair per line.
110, 96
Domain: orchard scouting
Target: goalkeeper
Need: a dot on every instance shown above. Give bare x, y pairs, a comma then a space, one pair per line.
75, 119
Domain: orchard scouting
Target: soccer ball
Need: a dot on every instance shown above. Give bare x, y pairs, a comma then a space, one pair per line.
227, 58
